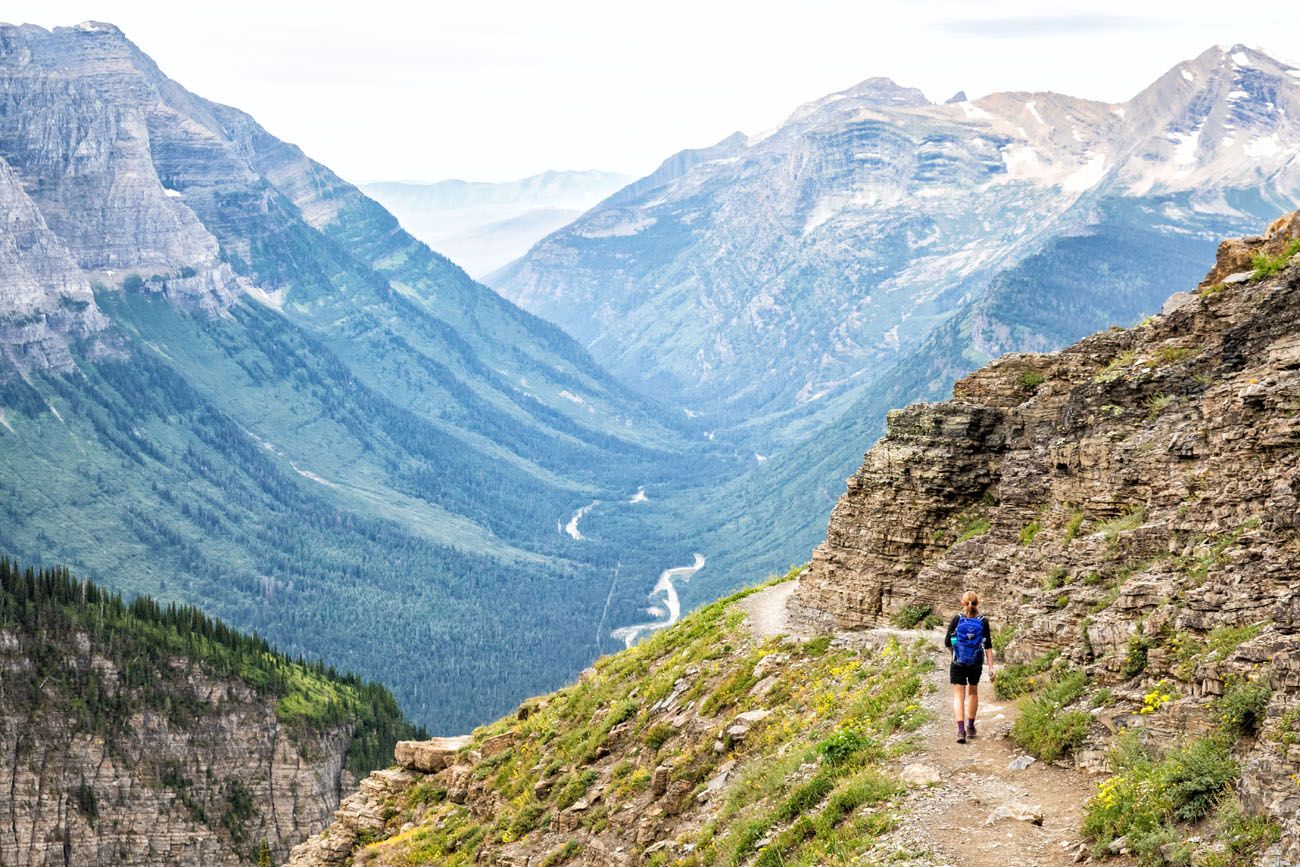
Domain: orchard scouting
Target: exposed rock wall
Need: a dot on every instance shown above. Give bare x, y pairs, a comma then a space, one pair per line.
1140, 485
202, 785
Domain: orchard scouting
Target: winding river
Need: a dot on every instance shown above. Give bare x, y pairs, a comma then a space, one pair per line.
673, 605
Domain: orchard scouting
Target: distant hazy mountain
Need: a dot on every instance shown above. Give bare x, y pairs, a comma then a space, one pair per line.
773, 279
229, 378
483, 226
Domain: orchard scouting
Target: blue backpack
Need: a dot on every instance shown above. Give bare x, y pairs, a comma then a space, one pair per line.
968, 641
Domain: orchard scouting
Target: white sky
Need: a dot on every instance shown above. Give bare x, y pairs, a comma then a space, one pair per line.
500, 89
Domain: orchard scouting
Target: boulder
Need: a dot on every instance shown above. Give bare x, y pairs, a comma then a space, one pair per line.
429, 756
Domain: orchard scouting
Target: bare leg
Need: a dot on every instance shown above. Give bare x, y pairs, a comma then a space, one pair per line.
959, 703
972, 701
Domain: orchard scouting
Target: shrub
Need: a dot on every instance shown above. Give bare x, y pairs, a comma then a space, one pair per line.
1135, 661
817, 646
1244, 836
1072, 528
1029, 531
909, 615
1044, 728
1287, 732
842, 746
1002, 637
564, 853
1140, 801
1240, 709
1196, 774
658, 735
527, 819
1031, 379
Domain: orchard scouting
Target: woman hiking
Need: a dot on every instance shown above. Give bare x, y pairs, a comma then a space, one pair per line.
971, 641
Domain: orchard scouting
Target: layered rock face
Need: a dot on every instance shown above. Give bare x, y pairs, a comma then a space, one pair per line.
81, 115
202, 792
46, 299
1139, 489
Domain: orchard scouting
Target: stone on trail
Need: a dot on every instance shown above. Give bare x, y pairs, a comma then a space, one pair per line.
917, 774
1019, 763
1031, 813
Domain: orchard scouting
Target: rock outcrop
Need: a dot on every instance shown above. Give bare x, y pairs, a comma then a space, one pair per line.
137, 735
1117, 502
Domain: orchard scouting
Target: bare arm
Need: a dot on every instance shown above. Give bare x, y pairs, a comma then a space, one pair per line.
988, 647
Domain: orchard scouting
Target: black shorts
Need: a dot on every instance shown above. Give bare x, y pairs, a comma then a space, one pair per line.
964, 675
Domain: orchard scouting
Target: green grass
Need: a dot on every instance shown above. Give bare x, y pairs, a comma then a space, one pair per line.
1267, 266
1029, 531
1158, 403
1072, 527
1117, 368
976, 525
1014, 681
1045, 729
1130, 520
803, 778
1175, 354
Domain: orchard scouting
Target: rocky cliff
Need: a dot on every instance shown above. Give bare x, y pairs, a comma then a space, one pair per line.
137, 735
1123, 502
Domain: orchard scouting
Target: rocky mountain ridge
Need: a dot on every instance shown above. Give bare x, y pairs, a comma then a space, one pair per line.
1130, 510
837, 241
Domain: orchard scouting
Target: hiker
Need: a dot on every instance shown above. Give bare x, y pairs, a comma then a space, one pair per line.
971, 641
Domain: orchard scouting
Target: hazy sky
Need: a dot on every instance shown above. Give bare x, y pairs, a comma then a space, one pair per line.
499, 89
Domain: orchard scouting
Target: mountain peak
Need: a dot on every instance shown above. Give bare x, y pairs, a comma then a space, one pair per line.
885, 90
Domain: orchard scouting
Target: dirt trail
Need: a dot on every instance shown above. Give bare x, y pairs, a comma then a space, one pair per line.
948, 822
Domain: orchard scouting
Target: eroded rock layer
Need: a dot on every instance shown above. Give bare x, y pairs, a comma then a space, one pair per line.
1129, 495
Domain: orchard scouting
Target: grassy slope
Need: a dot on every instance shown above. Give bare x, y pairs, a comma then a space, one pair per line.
807, 784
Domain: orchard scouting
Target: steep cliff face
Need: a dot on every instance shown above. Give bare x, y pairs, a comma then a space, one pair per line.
47, 301
136, 735
1119, 502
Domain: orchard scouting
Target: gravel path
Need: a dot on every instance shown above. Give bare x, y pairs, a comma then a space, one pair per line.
957, 819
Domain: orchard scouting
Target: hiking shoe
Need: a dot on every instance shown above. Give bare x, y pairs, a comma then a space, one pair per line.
970, 728
961, 737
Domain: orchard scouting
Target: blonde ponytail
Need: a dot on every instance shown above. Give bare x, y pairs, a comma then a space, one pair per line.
970, 603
